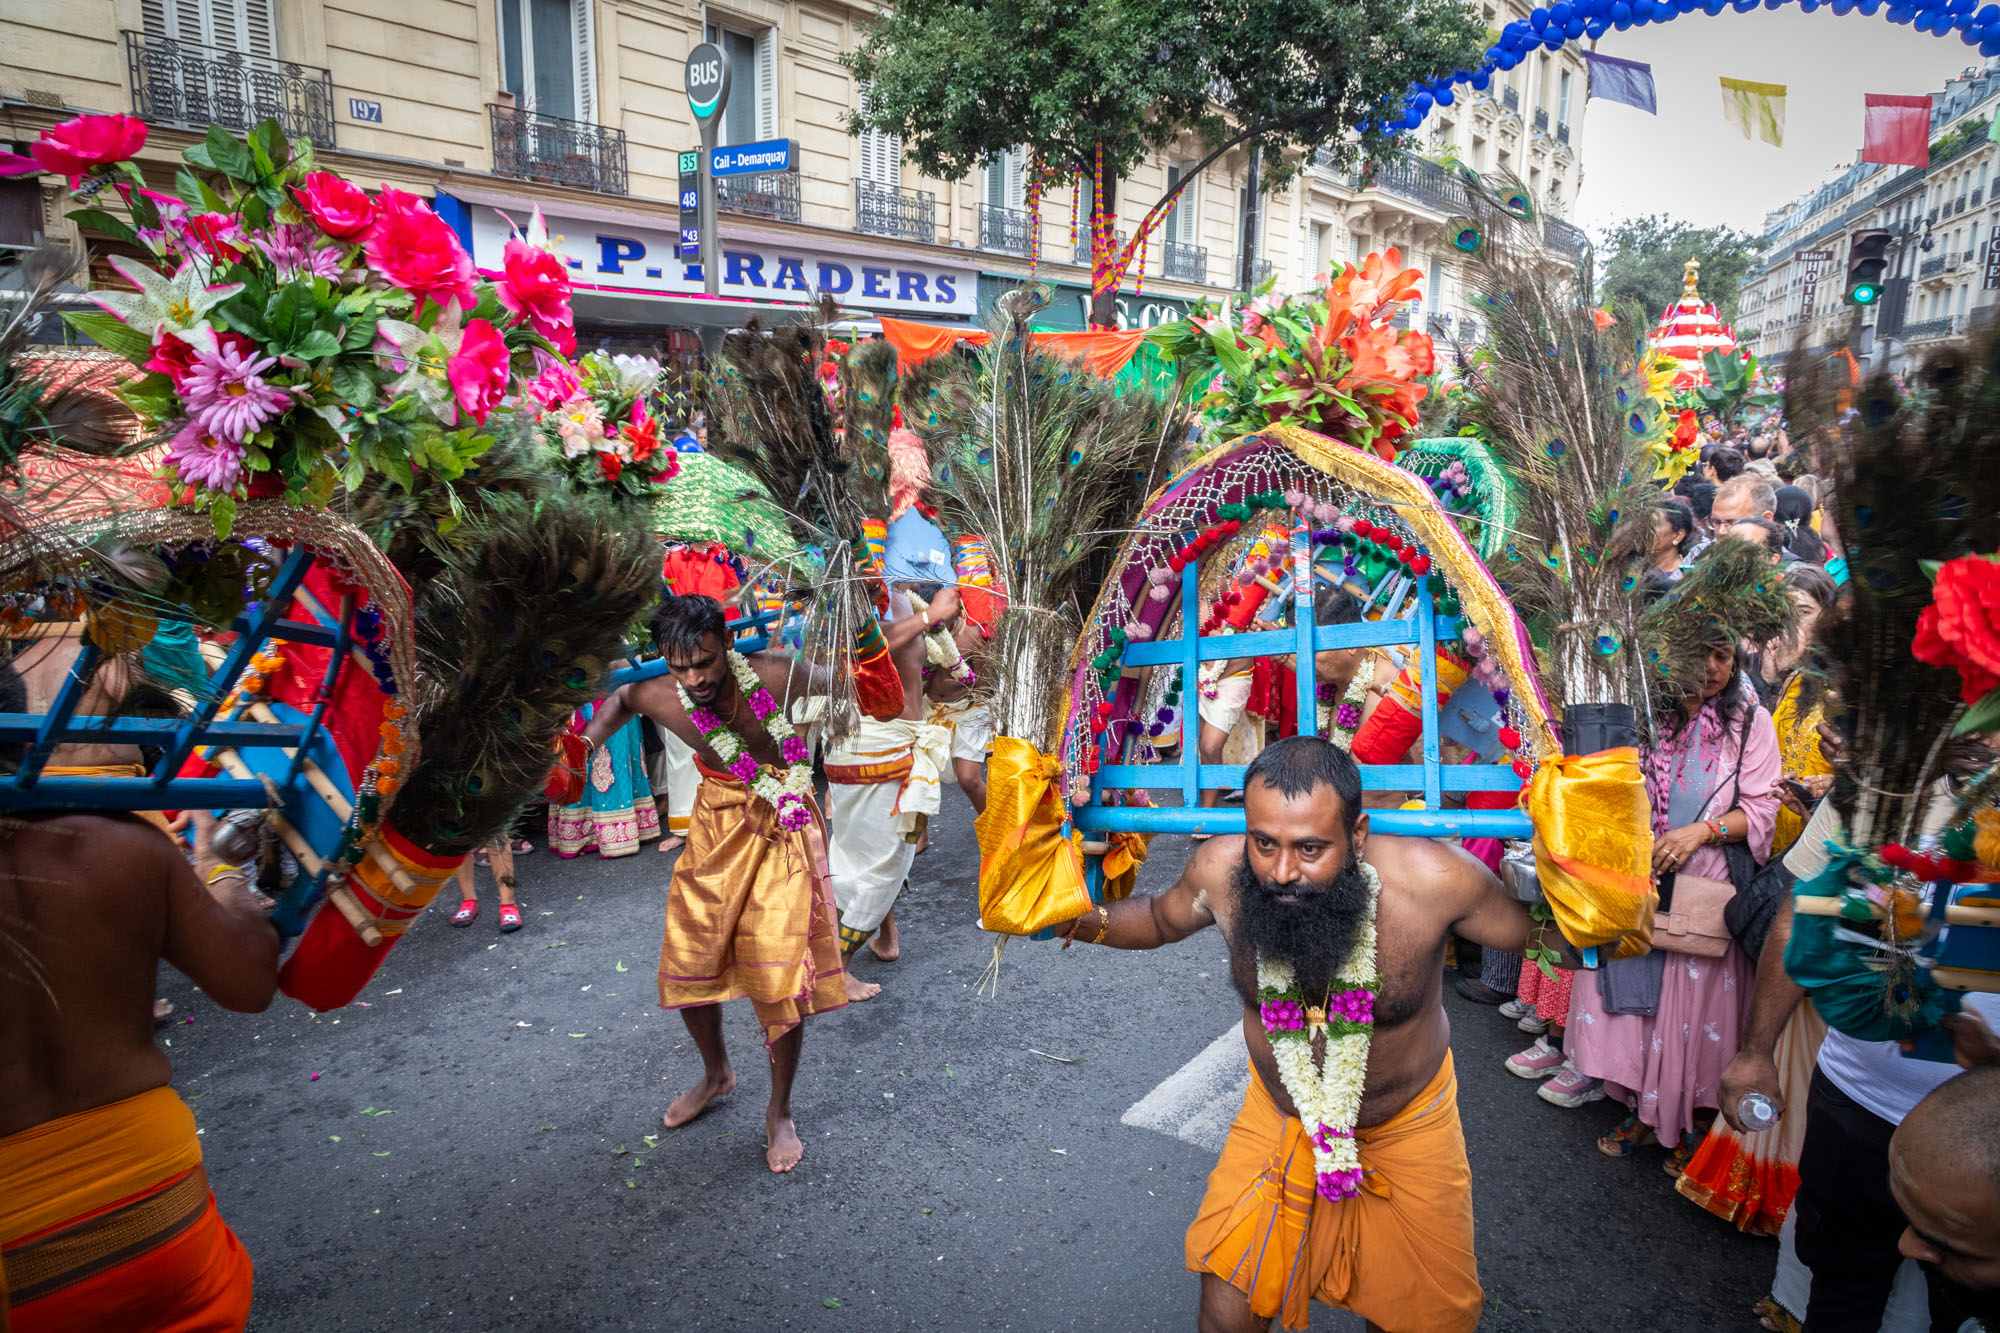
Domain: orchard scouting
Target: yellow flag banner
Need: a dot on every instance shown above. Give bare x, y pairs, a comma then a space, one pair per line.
1594, 848
1757, 109
1030, 875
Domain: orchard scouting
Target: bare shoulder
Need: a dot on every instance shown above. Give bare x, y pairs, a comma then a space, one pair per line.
125, 839
1208, 870
1433, 867
776, 670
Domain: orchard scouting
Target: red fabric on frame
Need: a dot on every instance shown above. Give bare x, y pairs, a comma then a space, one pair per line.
1896, 130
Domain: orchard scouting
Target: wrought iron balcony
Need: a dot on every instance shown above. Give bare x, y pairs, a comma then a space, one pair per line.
1419, 181
1510, 98
1004, 230
1542, 120
193, 84
1081, 254
1978, 195
1562, 131
1260, 269
775, 196
1563, 236
1185, 263
1930, 268
1930, 330
534, 146
885, 210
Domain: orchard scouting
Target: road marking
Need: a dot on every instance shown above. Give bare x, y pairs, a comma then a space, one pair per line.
1198, 1101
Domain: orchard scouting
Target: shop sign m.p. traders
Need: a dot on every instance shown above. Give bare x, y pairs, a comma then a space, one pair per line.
641, 261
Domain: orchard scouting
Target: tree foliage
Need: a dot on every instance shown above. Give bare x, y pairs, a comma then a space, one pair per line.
965, 80
1645, 258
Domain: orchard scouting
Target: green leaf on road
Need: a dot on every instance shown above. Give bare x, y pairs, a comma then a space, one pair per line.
619, 1151
369, 1110
623, 968
334, 1137
631, 1185
381, 1154
831, 1302
579, 1034
560, 944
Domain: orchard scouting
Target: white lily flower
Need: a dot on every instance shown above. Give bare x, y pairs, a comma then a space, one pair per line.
174, 303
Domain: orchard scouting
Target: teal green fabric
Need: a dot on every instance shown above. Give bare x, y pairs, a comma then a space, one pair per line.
1848, 994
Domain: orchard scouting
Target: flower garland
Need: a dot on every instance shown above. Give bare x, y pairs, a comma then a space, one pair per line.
786, 793
1339, 724
1327, 1097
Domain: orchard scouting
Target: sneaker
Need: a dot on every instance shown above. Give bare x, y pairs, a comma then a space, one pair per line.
1517, 1009
1533, 1024
1538, 1061
1569, 1089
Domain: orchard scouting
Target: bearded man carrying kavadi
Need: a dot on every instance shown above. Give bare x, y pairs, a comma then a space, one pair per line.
1344, 1179
750, 908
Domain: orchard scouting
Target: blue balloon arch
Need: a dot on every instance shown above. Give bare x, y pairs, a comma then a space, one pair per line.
1549, 27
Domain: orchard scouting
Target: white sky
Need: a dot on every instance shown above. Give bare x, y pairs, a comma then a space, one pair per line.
1692, 164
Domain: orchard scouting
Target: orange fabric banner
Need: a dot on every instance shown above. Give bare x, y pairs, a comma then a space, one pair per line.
1102, 352
917, 343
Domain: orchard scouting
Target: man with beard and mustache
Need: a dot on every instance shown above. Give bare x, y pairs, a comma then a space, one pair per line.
750, 910
1944, 1171
1295, 889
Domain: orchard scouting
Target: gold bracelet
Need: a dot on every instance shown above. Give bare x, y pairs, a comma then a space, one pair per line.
226, 871
1103, 923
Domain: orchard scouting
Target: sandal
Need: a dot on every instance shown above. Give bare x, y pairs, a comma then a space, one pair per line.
1678, 1159
522, 846
510, 918
467, 913
1628, 1138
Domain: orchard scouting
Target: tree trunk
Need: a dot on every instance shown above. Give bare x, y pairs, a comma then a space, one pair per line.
1104, 264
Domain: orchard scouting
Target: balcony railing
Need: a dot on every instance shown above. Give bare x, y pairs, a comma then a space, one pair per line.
1564, 236
885, 210
1930, 268
1978, 195
193, 84
1081, 254
1260, 269
1930, 329
1004, 230
534, 146
1542, 120
1185, 263
1510, 98
1562, 131
1419, 181
775, 196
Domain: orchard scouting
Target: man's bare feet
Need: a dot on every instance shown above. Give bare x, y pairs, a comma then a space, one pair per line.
886, 944
782, 1148
673, 842
696, 1099
857, 991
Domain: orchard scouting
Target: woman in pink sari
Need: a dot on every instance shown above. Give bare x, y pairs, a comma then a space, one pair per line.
1658, 1030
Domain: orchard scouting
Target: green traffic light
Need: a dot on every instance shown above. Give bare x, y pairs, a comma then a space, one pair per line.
1864, 294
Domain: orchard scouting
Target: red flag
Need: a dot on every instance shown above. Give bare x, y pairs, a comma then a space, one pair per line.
1896, 131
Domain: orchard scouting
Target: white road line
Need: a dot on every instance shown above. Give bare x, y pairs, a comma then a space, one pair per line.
1198, 1101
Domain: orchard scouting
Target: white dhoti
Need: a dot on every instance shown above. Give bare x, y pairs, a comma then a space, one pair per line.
1225, 710
882, 783
681, 780
971, 727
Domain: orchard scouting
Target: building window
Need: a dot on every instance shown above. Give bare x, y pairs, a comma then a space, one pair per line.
881, 154
1317, 250
752, 113
547, 58
248, 26
1004, 182
1562, 101
1184, 214
1359, 247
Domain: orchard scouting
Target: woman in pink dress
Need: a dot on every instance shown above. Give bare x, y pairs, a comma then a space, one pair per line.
1658, 1030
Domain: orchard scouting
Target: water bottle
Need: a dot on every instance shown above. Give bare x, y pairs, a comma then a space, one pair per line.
1755, 1112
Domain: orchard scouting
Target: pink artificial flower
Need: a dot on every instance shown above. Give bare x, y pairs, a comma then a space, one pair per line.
418, 251
667, 466
217, 235
340, 209
289, 246
536, 286
226, 393
205, 460
581, 428
479, 373
75, 147
173, 356
555, 385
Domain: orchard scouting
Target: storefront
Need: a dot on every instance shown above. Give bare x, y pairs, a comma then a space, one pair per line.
631, 293
1070, 310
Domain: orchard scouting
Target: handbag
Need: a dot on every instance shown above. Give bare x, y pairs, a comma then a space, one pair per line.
1692, 915
564, 784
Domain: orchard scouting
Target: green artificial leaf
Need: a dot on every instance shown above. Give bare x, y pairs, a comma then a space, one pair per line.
110, 333
288, 315
316, 344
229, 156
151, 396
104, 224
360, 336
1982, 717
222, 514
1930, 568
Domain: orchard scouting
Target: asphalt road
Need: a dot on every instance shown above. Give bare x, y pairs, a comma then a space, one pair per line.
470, 1150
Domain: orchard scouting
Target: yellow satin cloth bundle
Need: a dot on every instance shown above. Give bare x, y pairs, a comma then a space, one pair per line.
1594, 848
1030, 875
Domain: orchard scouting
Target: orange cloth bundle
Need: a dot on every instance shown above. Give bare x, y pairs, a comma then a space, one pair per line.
332, 962
107, 1222
1399, 1254
878, 686
1030, 874
1594, 848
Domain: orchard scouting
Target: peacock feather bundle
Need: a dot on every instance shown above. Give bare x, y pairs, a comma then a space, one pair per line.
1732, 594
1051, 465
533, 602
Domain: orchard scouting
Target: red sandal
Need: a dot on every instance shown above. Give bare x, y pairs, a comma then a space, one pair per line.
467, 913
510, 918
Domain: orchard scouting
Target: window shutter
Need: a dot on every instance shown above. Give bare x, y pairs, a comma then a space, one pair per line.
584, 19
881, 154
1312, 252
767, 84
1017, 182
259, 30
1187, 213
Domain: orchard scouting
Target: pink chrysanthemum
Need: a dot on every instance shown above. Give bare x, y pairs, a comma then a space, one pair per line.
201, 458
226, 393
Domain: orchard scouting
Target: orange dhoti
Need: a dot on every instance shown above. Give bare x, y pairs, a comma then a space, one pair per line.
1399, 1254
750, 912
107, 1223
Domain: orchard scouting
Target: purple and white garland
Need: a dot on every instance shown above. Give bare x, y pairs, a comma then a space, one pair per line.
789, 793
